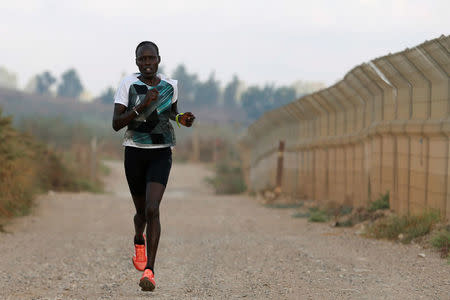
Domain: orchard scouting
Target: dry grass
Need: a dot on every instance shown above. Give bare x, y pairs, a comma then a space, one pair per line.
29, 167
441, 241
404, 228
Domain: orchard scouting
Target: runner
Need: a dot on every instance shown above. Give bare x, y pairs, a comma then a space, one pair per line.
145, 102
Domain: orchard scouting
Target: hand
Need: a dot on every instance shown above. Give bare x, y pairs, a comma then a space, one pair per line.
187, 119
152, 95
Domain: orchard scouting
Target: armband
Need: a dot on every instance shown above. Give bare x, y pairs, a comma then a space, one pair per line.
176, 119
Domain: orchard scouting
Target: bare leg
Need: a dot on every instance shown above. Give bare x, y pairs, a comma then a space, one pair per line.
154, 194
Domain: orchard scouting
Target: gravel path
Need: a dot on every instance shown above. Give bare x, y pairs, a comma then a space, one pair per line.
79, 246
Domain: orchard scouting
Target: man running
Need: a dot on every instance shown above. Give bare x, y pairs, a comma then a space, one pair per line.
144, 102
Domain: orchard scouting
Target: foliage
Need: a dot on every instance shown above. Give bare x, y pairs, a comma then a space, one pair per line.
314, 214
282, 96
441, 241
284, 205
207, 92
187, 83
29, 167
43, 83
228, 178
318, 215
256, 100
107, 96
70, 85
410, 227
230, 95
301, 214
381, 203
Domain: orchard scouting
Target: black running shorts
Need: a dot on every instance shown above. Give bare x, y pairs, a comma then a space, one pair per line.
146, 165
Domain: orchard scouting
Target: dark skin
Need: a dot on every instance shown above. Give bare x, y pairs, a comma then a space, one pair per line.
147, 61
147, 206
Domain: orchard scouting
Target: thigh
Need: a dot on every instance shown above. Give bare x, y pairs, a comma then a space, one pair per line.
135, 170
158, 169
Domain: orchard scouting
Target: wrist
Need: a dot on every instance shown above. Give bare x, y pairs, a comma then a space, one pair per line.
177, 118
139, 108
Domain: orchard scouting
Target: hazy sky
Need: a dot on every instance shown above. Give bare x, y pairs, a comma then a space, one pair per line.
261, 41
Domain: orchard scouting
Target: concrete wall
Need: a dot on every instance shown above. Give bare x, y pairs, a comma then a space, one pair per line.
384, 128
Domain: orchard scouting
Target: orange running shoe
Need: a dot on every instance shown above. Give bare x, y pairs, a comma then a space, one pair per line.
140, 257
147, 282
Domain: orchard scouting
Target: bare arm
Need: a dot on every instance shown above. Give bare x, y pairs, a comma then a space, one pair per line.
122, 118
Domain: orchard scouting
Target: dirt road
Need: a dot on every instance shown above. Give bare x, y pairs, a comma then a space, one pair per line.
79, 246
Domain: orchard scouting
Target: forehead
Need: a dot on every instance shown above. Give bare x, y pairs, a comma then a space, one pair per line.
146, 50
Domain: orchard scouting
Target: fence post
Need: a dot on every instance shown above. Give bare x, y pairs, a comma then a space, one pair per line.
280, 167
93, 157
195, 146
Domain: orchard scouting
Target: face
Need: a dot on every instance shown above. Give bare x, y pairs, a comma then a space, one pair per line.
147, 60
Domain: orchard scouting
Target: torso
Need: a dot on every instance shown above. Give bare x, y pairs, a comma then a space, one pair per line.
152, 128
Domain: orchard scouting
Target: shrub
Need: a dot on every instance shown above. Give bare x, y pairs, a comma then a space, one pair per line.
381, 203
228, 178
410, 227
318, 215
29, 167
441, 241
284, 205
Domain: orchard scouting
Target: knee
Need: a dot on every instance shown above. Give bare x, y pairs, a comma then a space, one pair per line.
151, 212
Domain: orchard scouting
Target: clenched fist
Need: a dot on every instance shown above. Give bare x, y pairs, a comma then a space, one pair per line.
187, 119
152, 95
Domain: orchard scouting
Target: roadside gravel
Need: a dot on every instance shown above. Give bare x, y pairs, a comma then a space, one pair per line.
79, 246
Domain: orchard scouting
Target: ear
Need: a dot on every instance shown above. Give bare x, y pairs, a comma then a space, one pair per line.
135, 60
159, 59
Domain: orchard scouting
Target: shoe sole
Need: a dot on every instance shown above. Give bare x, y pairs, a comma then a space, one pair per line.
146, 285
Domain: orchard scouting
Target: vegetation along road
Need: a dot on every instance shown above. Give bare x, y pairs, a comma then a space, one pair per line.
79, 246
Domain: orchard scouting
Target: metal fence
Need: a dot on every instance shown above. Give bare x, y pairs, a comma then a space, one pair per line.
383, 128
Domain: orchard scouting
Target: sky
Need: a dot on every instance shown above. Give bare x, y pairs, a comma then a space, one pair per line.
275, 42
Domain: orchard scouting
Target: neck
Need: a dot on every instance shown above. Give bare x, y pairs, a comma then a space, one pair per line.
151, 80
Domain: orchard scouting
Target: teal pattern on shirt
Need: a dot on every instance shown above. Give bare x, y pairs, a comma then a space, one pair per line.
152, 126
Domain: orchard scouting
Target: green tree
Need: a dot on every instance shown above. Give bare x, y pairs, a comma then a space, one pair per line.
187, 83
43, 83
282, 96
256, 100
230, 93
70, 85
208, 92
107, 96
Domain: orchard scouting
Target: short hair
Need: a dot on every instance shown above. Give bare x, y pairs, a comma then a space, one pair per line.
146, 43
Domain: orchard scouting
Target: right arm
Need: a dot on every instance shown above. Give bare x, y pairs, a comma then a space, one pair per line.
122, 118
